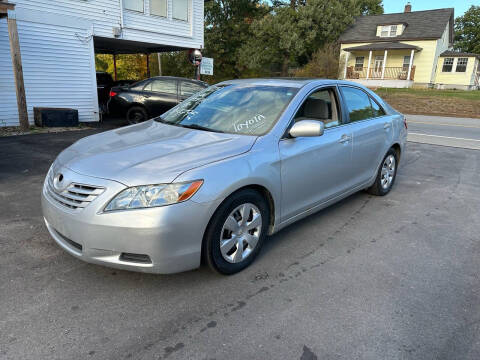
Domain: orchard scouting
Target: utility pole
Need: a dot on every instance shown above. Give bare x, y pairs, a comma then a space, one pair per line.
7, 10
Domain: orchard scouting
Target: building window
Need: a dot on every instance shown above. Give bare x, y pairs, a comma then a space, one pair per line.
461, 64
406, 63
447, 65
385, 31
158, 7
134, 5
393, 30
359, 63
390, 30
180, 9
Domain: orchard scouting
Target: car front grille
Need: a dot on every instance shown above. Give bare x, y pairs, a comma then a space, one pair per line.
75, 196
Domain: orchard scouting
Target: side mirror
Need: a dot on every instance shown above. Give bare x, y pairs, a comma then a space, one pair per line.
307, 128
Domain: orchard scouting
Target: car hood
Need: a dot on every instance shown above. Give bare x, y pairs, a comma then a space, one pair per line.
150, 152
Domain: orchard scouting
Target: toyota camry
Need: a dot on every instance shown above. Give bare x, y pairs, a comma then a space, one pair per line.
212, 177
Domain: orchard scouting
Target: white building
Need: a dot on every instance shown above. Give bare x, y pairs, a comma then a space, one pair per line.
59, 38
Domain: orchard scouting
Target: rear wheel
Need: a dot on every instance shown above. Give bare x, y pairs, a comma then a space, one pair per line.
136, 114
236, 232
386, 175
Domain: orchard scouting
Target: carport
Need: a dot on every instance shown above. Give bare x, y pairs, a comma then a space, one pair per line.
116, 47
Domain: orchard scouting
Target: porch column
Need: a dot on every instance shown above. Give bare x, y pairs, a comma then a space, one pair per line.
384, 63
410, 65
346, 64
369, 62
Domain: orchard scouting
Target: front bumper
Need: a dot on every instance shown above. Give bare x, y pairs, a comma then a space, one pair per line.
170, 236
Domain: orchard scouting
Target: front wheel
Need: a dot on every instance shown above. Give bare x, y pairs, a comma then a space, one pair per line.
236, 232
386, 175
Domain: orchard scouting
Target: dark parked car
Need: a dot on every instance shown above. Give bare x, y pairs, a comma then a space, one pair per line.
152, 97
105, 83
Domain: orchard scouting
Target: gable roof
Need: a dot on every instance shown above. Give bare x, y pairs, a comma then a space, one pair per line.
419, 25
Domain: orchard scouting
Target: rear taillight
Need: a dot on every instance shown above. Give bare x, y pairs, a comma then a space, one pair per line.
113, 93
405, 122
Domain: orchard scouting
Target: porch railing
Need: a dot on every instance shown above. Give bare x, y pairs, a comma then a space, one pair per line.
391, 73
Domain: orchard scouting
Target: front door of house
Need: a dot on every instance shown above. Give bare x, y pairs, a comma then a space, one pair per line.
378, 66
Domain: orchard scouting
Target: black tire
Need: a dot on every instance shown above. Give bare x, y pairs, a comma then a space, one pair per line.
136, 114
377, 188
211, 242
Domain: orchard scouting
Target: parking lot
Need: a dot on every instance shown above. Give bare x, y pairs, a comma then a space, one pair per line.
393, 277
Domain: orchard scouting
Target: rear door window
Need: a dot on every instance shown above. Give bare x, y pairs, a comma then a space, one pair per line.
358, 104
163, 86
188, 88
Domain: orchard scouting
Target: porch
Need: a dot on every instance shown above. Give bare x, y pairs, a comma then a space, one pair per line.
381, 64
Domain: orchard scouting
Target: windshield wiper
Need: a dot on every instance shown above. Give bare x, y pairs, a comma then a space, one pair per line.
161, 119
199, 127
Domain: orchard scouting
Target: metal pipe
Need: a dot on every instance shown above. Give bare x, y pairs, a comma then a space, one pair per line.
115, 67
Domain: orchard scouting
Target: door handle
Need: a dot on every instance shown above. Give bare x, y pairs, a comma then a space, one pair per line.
387, 125
345, 138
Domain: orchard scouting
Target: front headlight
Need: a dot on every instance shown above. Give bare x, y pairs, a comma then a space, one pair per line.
139, 197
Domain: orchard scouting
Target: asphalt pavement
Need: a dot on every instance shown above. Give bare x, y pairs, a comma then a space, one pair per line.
448, 131
393, 277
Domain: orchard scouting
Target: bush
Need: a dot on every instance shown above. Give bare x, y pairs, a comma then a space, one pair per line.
324, 63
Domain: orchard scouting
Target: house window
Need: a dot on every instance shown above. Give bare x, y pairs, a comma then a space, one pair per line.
447, 65
385, 31
461, 64
180, 9
393, 30
406, 63
390, 30
134, 5
359, 63
158, 7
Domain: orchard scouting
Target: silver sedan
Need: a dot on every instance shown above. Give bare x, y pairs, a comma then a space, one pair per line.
212, 177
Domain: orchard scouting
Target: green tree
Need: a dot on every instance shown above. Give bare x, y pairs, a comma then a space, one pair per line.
227, 28
467, 31
276, 40
294, 30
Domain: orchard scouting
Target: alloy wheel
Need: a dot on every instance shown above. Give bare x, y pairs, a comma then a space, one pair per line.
240, 233
388, 172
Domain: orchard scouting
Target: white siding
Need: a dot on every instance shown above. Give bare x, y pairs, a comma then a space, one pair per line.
167, 31
106, 14
56, 42
58, 67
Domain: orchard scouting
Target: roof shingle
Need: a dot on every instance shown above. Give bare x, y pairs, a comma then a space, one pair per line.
451, 53
428, 24
384, 46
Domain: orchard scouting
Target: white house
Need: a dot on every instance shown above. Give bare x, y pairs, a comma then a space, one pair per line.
59, 38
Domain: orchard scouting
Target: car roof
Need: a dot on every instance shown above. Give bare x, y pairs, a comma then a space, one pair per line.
178, 78
287, 82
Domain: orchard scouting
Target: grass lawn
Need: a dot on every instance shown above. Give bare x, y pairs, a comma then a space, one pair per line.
461, 94
456, 103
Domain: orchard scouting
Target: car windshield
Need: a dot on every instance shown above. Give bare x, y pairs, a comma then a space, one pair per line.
236, 108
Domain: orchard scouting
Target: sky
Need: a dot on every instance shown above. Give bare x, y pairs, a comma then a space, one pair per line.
395, 6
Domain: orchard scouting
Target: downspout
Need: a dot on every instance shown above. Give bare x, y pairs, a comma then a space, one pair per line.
120, 3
